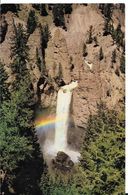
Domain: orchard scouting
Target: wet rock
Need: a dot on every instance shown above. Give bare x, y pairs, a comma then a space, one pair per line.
62, 162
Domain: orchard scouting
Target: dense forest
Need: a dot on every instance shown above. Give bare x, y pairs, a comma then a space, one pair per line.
24, 171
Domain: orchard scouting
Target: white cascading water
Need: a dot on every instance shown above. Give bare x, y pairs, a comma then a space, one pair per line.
62, 121
62, 113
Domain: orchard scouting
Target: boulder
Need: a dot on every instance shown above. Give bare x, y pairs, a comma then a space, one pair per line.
62, 162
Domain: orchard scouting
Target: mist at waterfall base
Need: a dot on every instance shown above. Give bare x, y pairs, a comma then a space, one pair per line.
59, 124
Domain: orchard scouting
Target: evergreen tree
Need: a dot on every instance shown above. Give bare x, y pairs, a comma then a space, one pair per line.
41, 8
107, 10
19, 52
58, 15
4, 93
108, 28
122, 64
45, 35
85, 53
114, 56
119, 35
67, 8
89, 39
101, 55
102, 155
43, 11
18, 146
31, 22
15, 125
36, 6
9, 7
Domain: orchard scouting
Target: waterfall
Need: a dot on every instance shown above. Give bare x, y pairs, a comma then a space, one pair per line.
62, 115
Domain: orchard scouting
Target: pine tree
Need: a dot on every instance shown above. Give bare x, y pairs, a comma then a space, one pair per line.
31, 22
122, 64
36, 6
4, 93
102, 155
9, 7
107, 10
119, 35
89, 39
114, 56
108, 28
85, 53
67, 8
45, 35
101, 55
40, 63
58, 15
19, 52
43, 11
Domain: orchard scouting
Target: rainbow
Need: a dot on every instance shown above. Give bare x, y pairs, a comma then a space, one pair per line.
43, 122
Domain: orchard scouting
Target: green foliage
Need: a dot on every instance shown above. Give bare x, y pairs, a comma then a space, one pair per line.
122, 64
15, 125
85, 53
108, 28
18, 148
43, 11
102, 155
9, 7
114, 56
31, 22
19, 153
58, 15
107, 10
13, 147
119, 36
67, 8
18, 107
4, 93
54, 186
19, 52
41, 8
89, 39
101, 55
45, 35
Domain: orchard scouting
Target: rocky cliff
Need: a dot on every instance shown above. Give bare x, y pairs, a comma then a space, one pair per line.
98, 79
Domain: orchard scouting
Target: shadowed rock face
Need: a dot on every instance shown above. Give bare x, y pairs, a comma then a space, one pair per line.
62, 162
